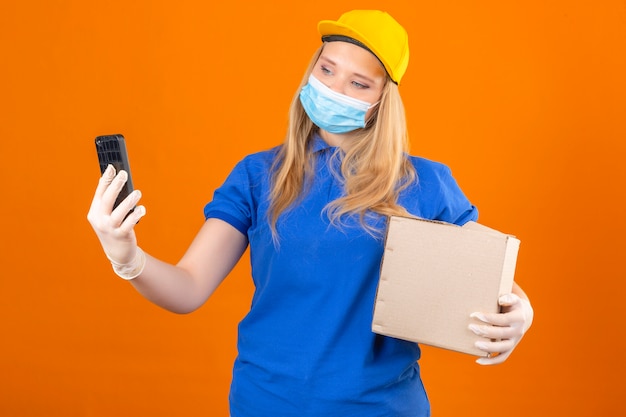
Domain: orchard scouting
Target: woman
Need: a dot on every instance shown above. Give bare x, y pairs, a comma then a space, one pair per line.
314, 213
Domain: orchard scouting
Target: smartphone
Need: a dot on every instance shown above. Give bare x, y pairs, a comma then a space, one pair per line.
111, 150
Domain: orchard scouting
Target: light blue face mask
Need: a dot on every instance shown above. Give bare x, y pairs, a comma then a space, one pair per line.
332, 111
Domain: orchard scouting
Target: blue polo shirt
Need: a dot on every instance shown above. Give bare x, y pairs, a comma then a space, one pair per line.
306, 347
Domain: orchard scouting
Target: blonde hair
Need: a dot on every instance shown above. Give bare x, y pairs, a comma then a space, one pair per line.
374, 170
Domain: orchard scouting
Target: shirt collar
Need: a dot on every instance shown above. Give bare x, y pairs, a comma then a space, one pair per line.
319, 144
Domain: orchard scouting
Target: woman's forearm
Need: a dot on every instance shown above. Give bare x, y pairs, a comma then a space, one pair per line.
171, 287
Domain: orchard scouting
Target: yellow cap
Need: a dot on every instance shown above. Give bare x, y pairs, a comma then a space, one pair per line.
378, 32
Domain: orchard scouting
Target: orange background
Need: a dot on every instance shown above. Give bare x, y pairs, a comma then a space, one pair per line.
524, 100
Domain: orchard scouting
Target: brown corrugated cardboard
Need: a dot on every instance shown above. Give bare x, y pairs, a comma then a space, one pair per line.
434, 275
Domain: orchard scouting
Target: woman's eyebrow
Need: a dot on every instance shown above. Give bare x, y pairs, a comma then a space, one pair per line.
366, 78
330, 61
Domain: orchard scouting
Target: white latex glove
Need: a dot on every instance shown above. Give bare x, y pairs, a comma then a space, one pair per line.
502, 331
115, 230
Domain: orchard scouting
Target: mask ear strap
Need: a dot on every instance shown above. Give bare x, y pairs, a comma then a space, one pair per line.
374, 105
370, 120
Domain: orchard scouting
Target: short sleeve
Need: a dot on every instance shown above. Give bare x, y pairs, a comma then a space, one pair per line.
436, 195
455, 207
232, 201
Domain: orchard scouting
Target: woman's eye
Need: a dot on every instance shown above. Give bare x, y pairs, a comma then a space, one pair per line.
325, 70
359, 85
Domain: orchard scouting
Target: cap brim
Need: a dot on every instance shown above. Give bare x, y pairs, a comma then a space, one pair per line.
330, 27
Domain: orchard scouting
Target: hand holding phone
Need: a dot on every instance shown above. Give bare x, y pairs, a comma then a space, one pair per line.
116, 235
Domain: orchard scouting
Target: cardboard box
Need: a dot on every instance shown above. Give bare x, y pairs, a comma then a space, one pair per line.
434, 275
